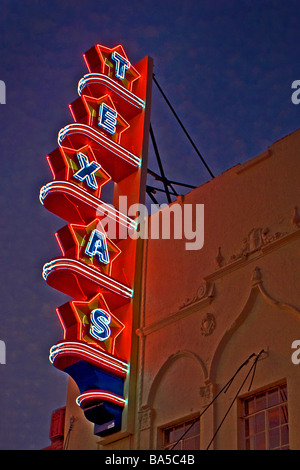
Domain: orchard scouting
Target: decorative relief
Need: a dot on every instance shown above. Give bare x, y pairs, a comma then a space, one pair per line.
208, 324
256, 275
256, 239
207, 394
296, 218
219, 258
145, 415
204, 290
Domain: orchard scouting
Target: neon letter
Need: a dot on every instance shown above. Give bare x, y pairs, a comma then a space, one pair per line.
100, 320
97, 246
121, 65
87, 171
107, 118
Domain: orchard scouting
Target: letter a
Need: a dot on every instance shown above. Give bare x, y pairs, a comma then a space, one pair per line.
97, 246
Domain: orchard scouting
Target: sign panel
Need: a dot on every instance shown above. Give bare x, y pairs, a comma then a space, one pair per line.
108, 141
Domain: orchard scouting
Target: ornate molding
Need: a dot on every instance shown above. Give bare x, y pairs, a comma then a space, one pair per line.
257, 288
219, 258
205, 290
256, 239
145, 416
256, 244
207, 394
256, 275
296, 218
203, 297
208, 324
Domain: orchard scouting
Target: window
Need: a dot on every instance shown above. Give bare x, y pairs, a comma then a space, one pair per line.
188, 436
265, 420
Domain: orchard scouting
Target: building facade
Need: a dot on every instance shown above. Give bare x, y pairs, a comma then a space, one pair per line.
218, 365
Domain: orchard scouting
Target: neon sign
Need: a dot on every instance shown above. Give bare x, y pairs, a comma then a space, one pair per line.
107, 141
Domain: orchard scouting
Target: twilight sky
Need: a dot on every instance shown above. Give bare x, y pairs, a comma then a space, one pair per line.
226, 67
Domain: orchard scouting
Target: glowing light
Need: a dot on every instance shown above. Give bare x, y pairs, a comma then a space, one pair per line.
89, 244
100, 79
88, 353
99, 58
93, 341
65, 162
122, 65
107, 118
99, 395
97, 246
87, 171
89, 273
62, 323
100, 114
100, 139
75, 319
99, 328
99, 206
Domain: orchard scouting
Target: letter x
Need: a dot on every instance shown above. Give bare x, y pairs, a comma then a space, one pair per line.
87, 171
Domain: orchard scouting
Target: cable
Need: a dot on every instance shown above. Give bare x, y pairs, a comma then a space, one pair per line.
67, 440
160, 164
149, 192
183, 184
153, 189
169, 182
225, 388
253, 367
183, 128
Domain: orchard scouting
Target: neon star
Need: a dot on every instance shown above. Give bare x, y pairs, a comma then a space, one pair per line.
112, 62
78, 322
79, 167
99, 113
89, 244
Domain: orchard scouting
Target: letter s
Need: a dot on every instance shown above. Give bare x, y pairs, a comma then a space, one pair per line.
295, 96
295, 356
99, 328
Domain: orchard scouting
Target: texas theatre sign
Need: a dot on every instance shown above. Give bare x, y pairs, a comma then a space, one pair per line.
107, 142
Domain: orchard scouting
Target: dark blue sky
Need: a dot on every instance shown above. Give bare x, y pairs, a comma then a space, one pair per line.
226, 67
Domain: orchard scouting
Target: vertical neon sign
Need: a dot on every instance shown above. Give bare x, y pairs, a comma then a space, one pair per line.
107, 141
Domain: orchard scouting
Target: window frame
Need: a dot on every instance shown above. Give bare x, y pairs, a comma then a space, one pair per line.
178, 422
243, 417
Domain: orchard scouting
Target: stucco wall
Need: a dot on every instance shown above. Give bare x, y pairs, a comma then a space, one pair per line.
249, 214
